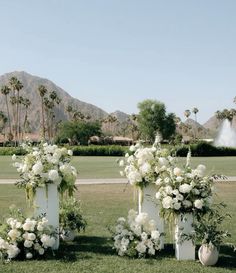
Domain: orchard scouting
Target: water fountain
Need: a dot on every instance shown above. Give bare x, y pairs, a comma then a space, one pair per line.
226, 136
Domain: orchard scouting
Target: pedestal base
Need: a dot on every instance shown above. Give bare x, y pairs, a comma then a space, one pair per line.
184, 249
47, 202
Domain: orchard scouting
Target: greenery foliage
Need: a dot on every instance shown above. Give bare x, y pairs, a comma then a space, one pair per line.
95, 150
203, 149
152, 118
77, 132
70, 216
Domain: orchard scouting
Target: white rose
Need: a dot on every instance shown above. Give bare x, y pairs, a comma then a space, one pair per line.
132, 148
12, 251
31, 236
141, 218
177, 206
168, 189
198, 203
29, 255
187, 203
121, 163
70, 152
53, 175
167, 180
144, 236
141, 248
162, 161
158, 181
185, 188
134, 177
177, 171
28, 243
145, 168
37, 168
41, 251
179, 179
47, 241
155, 234
27, 226
13, 157
167, 202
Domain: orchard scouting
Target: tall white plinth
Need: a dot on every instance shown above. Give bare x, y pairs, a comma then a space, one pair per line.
184, 249
148, 204
47, 202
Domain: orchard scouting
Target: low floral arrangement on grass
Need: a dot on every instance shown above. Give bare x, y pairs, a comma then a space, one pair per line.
71, 219
25, 237
136, 236
43, 165
145, 164
184, 190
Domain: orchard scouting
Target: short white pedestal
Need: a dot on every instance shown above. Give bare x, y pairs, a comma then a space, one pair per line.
47, 202
184, 250
147, 204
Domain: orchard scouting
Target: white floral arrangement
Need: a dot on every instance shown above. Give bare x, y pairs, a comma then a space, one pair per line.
145, 164
136, 236
25, 237
183, 190
43, 165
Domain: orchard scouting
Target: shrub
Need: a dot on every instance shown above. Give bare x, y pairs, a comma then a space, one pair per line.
12, 150
203, 149
95, 150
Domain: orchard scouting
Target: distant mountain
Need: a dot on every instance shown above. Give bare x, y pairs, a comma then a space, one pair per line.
191, 128
121, 116
30, 90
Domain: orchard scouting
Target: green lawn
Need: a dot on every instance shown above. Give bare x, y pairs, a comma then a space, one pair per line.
107, 167
92, 252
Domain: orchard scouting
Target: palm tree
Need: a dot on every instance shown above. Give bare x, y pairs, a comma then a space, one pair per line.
26, 103
42, 92
195, 111
16, 86
5, 90
187, 113
3, 121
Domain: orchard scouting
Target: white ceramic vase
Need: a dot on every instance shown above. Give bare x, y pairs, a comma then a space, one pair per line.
46, 202
208, 255
69, 235
147, 204
184, 249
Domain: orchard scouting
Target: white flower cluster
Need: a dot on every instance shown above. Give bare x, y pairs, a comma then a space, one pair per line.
29, 236
136, 236
46, 164
185, 190
145, 164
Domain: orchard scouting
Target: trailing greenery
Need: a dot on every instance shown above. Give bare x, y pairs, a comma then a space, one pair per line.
203, 149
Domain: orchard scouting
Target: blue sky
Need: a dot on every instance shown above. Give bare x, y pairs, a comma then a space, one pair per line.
116, 53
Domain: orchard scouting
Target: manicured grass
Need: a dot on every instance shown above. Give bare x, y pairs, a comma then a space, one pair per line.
107, 167
92, 250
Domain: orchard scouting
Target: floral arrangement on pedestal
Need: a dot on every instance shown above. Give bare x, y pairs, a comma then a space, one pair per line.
184, 190
46, 164
136, 236
145, 164
25, 237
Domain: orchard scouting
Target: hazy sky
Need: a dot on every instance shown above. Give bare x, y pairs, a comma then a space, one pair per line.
116, 53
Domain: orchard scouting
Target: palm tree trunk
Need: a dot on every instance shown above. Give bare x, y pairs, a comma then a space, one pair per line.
43, 119
8, 113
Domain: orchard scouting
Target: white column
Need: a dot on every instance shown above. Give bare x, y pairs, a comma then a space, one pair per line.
46, 201
148, 204
184, 250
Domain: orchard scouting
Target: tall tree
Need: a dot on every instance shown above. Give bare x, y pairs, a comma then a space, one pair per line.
195, 111
26, 104
187, 113
16, 86
152, 119
42, 92
5, 90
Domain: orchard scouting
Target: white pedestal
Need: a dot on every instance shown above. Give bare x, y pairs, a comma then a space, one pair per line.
47, 202
147, 204
184, 250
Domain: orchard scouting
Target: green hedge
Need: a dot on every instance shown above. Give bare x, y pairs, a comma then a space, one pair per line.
11, 151
95, 150
92, 150
204, 149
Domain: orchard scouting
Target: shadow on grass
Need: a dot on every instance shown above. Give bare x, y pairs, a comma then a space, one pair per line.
84, 248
